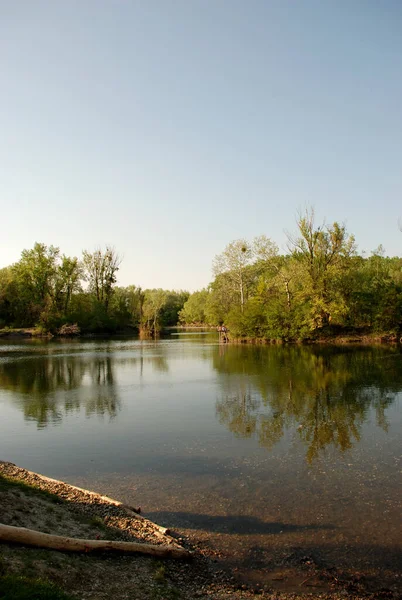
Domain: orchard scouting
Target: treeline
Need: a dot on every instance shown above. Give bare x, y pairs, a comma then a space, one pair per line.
56, 293
322, 286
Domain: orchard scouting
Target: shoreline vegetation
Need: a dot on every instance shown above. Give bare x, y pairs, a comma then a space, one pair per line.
54, 507
358, 338
321, 288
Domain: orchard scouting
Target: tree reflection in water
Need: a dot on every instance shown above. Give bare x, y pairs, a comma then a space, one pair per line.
324, 393
41, 382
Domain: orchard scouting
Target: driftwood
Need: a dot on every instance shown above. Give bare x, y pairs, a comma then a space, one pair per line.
29, 537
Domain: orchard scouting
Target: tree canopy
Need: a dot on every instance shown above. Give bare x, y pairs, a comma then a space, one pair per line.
48, 290
318, 287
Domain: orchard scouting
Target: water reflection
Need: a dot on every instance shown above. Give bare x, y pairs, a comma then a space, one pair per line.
169, 448
50, 386
41, 383
324, 394
321, 395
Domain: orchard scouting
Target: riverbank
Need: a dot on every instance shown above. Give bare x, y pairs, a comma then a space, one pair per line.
34, 332
27, 332
362, 339
29, 500
330, 335
339, 338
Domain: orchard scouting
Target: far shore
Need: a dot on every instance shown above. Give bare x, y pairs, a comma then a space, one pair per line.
337, 339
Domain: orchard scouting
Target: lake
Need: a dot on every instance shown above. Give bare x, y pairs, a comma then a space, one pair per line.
272, 455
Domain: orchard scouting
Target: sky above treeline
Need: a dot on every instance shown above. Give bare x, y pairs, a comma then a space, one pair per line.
169, 128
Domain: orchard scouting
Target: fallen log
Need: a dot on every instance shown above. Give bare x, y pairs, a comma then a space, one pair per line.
29, 537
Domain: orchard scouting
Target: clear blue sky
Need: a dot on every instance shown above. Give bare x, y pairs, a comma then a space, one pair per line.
169, 128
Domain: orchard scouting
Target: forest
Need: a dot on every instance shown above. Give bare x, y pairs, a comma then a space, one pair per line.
58, 294
320, 287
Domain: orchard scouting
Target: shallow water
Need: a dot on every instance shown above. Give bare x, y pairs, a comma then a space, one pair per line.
265, 453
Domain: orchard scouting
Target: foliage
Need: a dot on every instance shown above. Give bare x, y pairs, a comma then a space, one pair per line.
322, 254
161, 308
45, 290
34, 277
154, 301
319, 287
233, 262
38, 289
126, 306
100, 271
194, 309
174, 303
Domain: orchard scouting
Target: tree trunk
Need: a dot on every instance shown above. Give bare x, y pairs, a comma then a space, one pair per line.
241, 293
29, 537
287, 293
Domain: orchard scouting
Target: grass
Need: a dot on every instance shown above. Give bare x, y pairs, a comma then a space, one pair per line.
15, 587
160, 572
25, 584
37, 574
7, 483
97, 522
163, 591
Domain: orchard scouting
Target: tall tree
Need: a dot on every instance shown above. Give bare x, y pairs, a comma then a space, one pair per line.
100, 269
35, 276
267, 253
234, 261
323, 253
193, 310
67, 281
154, 302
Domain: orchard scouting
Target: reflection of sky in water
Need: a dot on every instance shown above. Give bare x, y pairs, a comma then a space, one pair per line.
302, 443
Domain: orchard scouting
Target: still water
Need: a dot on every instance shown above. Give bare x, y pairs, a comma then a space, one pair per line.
258, 451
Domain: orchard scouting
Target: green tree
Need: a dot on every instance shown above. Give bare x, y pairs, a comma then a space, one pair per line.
8, 296
233, 262
173, 304
68, 276
193, 311
35, 276
100, 270
154, 301
126, 306
323, 254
